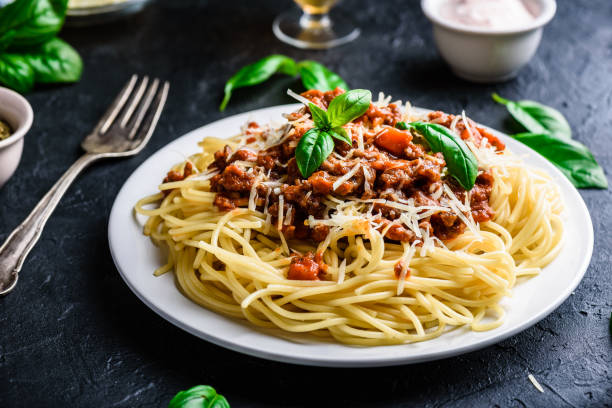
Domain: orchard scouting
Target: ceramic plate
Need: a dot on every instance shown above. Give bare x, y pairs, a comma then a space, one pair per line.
136, 258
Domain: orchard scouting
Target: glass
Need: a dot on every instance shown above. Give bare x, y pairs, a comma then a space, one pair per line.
312, 27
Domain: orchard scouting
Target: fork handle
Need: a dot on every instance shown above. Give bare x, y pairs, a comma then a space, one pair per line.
19, 243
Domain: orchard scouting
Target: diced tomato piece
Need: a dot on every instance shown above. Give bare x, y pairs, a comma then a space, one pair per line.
393, 140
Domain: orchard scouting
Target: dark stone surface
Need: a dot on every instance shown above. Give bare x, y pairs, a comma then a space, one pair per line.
73, 335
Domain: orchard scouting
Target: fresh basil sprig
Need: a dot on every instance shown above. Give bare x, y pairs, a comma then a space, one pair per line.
574, 159
55, 61
550, 135
318, 143
537, 118
34, 21
312, 150
29, 50
200, 396
257, 73
314, 75
16, 73
460, 161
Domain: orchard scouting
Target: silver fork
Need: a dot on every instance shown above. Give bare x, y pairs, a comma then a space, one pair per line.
123, 131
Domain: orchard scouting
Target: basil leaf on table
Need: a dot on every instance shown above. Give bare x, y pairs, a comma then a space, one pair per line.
348, 106
257, 73
34, 21
6, 39
574, 159
16, 73
537, 118
319, 116
312, 150
460, 161
314, 75
317, 76
55, 61
16, 13
550, 135
200, 396
29, 50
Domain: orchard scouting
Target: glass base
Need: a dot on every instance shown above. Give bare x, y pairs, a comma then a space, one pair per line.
313, 31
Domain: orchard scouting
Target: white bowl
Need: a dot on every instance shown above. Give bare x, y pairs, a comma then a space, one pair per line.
483, 54
17, 112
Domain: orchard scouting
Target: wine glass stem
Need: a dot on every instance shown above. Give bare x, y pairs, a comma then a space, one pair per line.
315, 21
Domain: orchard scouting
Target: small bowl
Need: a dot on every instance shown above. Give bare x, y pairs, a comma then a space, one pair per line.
481, 54
94, 15
17, 112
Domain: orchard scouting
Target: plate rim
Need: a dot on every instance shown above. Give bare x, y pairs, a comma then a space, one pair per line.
366, 361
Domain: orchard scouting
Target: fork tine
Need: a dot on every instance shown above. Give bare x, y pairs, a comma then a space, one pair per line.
111, 114
142, 109
135, 100
150, 118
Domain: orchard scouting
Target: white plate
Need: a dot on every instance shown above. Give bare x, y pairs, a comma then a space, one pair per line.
136, 259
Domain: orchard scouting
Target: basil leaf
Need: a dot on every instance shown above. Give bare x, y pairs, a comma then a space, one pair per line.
16, 13
312, 150
574, 159
340, 133
537, 118
55, 61
39, 22
200, 396
460, 161
348, 106
316, 76
319, 117
257, 73
401, 126
6, 39
16, 73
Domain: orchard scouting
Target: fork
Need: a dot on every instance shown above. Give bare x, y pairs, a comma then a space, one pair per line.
123, 131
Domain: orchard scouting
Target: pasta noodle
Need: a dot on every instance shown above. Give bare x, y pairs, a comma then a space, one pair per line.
236, 262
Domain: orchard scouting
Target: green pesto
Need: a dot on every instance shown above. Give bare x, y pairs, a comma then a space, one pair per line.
5, 130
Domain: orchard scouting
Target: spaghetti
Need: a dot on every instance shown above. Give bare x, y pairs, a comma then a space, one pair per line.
370, 263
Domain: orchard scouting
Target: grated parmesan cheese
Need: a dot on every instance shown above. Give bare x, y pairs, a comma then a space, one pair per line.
253, 194
453, 126
409, 253
346, 177
458, 209
535, 383
360, 144
366, 183
298, 97
288, 216
281, 205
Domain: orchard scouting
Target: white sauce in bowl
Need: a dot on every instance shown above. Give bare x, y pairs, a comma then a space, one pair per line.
493, 14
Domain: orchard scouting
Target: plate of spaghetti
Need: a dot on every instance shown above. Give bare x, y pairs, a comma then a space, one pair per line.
349, 232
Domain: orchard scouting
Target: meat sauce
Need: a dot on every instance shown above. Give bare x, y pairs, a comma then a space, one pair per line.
174, 175
307, 267
394, 167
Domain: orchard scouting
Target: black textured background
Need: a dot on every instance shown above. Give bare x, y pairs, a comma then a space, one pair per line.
73, 335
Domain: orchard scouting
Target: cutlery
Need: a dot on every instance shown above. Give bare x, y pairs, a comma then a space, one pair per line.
123, 131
